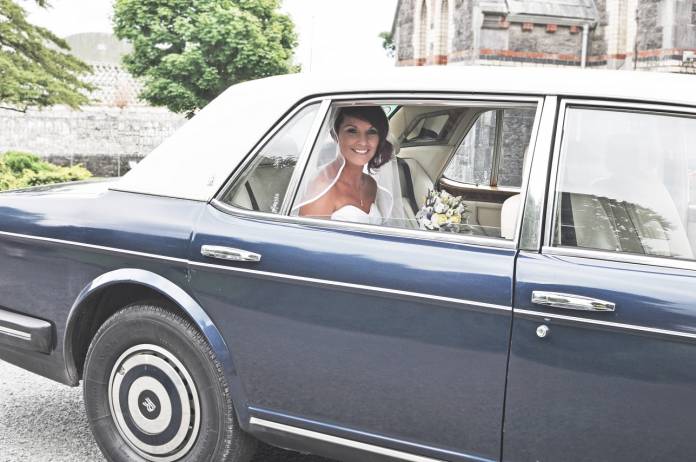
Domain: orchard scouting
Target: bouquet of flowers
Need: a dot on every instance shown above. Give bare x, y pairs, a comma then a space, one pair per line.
442, 211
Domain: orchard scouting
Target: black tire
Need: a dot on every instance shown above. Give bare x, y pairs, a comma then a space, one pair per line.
154, 391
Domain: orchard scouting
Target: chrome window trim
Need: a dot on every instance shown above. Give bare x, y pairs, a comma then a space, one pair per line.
553, 175
393, 453
431, 99
380, 230
622, 257
606, 324
302, 159
632, 106
550, 219
535, 183
361, 287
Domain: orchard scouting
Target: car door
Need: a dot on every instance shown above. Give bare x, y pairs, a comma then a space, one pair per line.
379, 338
603, 352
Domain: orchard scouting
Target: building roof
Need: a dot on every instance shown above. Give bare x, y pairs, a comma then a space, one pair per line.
583, 10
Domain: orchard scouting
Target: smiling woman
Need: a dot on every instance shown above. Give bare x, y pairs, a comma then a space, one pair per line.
343, 188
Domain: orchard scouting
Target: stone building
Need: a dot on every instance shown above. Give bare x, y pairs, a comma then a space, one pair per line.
108, 135
615, 34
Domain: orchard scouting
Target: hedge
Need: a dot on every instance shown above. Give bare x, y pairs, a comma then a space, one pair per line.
21, 170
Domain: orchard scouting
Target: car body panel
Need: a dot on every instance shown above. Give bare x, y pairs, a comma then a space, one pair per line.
54, 242
625, 377
398, 325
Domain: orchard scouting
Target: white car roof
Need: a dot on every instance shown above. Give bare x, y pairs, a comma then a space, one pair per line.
196, 160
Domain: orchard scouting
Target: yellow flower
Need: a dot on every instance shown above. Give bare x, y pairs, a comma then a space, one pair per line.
439, 218
456, 219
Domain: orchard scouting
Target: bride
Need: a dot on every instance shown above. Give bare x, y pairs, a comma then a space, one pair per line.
348, 188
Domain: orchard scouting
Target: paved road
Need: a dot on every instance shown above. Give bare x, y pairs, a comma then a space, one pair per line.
43, 421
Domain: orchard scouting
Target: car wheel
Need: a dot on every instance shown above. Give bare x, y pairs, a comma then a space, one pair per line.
154, 391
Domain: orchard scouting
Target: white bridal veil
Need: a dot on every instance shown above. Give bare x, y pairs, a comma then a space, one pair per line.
325, 166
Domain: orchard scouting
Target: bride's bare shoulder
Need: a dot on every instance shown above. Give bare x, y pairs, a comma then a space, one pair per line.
323, 207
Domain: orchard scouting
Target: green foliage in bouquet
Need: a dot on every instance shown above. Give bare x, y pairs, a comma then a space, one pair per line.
21, 170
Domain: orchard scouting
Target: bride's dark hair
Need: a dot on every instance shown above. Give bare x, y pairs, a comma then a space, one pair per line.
375, 116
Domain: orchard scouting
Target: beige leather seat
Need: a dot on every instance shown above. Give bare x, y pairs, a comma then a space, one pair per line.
509, 213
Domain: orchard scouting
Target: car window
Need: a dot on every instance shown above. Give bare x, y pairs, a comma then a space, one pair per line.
263, 185
489, 157
629, 188
431, 128
404, 191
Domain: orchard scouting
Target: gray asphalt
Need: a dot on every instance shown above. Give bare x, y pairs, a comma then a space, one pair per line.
43, 421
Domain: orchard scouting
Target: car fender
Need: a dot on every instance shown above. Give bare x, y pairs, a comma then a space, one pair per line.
177, 295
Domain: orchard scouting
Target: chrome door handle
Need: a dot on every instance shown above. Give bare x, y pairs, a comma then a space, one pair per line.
571, 302
228, 253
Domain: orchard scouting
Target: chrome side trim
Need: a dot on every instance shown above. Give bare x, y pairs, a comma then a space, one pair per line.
621, 257
341, 441
92, 246
312, 281
372, 229
609, 324
15, 333
347, 285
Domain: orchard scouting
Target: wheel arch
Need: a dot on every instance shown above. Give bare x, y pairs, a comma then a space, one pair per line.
114, 290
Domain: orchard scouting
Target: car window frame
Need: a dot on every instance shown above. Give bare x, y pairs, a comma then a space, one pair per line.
549, 219
380, 98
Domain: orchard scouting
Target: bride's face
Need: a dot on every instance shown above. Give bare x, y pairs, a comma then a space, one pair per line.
357, 140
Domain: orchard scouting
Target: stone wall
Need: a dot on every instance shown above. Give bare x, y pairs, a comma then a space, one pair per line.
405, 30
649, 25
103, 139
463, 28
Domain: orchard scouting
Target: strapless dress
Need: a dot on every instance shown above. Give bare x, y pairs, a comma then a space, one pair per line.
356, 215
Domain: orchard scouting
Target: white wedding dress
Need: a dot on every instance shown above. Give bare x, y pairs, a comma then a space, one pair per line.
357, 215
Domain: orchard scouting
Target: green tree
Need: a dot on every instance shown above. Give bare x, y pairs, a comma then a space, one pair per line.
189, 51
35, 66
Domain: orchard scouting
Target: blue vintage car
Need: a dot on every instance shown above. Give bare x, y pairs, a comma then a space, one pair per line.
529, 294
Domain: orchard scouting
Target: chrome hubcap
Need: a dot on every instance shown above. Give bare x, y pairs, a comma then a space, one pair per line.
154, 403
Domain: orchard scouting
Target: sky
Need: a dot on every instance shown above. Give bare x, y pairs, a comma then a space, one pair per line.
333, 34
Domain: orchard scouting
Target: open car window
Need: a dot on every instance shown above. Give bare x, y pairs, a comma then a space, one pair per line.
417, 199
